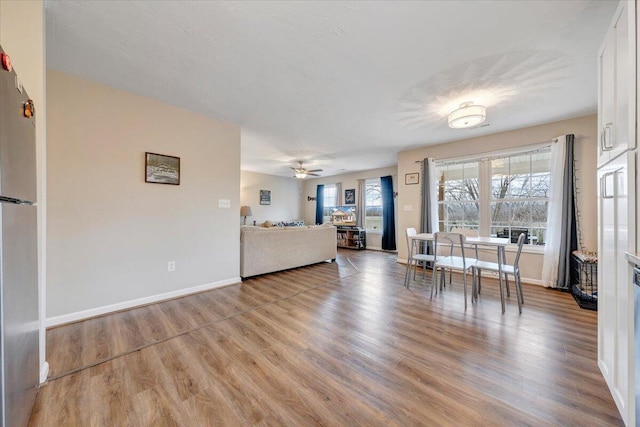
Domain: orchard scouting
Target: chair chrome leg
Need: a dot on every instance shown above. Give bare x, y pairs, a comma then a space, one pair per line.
464, 281
435, 278
506, 280
474, 289
501, 292
518, 285
407, 274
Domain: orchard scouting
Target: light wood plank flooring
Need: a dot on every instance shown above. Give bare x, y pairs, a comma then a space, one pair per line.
331, 344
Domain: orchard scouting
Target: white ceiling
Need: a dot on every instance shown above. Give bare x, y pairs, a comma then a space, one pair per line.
343, 86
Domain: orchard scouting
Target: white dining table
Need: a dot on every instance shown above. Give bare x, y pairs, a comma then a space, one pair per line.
498, 242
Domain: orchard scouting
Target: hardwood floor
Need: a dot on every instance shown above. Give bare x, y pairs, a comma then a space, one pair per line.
331, 344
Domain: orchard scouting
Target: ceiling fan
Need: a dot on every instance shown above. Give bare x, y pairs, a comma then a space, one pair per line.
302, 173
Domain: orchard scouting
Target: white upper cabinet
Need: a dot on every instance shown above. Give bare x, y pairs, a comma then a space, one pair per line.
616, 84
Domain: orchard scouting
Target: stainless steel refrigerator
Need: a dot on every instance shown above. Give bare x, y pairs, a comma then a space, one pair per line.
18, 254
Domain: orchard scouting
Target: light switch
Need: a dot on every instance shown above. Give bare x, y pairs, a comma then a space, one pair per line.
224, 203
407, 208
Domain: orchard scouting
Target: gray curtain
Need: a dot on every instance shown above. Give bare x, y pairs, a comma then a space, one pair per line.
426, 213
339, 197
361, 203
568, 227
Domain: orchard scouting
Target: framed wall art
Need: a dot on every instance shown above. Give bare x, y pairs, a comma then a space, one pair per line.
265, 197
350, 196
161, 169
411, 178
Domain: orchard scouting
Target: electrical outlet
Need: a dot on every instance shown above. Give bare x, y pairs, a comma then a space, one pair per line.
171, 266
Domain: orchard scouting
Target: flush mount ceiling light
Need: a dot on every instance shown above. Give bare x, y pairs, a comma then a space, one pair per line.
467, 115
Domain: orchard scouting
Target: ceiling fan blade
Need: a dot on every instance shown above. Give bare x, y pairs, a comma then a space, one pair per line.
315, 170
312, 174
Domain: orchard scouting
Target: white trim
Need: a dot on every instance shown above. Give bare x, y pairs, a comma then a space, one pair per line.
44, 372
98, 311
42, 211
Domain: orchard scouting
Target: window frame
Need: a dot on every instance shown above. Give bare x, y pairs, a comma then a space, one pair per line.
365, 225
326, 214
485, 198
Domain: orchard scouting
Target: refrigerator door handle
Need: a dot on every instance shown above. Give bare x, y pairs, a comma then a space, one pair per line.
4, 199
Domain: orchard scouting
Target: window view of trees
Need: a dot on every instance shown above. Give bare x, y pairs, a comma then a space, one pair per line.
458, 194
519, 195
373, 205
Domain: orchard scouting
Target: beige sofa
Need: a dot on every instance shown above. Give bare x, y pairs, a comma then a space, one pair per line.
265, 250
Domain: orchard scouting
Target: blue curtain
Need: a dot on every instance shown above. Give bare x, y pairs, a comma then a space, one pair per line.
388, 215
319, 203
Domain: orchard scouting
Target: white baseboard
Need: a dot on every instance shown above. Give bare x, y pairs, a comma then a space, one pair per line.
98, 311
44, 372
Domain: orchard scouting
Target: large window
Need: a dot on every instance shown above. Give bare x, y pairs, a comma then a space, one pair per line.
500, 196
373, 205
330, 196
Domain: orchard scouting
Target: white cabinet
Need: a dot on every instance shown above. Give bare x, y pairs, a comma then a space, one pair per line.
616, 85
616, 236
617, 206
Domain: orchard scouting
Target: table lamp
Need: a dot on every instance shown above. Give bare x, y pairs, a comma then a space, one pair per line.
245, 211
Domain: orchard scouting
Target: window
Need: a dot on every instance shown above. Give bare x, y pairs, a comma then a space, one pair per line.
373, 205
501, 196
458, 192
330, 196
520, 195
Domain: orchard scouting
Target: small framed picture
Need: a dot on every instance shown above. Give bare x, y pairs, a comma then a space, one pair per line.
162, 169
265, 197
350, 196
411, 178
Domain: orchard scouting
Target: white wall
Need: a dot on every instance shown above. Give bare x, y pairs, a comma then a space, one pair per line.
349, 181
285, 197
584, 129
110, 233
22, 37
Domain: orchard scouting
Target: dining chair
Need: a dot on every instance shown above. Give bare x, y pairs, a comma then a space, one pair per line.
416, 256
468, 232
458, 263
507, 269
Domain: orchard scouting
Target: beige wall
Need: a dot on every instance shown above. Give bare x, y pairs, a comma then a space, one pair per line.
285, 197
111, 234
22, 37
350, 180
584, 128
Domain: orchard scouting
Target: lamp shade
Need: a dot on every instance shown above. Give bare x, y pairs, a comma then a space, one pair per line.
467, 115
245, 211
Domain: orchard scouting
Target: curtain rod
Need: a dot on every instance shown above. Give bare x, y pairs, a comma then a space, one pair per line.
524, 149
